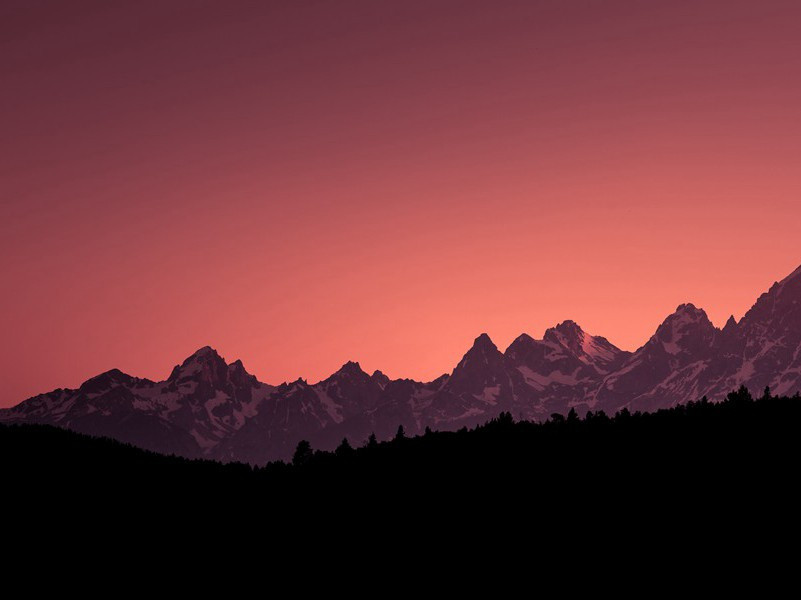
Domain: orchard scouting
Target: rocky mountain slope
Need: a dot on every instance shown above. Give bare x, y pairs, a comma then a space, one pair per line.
207, 407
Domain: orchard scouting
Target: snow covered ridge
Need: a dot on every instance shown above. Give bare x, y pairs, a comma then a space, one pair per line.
208, 407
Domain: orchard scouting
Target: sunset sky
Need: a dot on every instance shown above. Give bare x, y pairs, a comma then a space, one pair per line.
298, 184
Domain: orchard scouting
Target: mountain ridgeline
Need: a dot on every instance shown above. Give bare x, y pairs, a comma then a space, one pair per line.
210, 409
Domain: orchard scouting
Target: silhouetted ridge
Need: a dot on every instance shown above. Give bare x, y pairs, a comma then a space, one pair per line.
689, 461
209, 408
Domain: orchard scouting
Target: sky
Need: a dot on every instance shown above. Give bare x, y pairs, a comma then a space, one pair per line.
298, 184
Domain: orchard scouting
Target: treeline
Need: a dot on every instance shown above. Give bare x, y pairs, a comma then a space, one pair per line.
712, 446
698, 458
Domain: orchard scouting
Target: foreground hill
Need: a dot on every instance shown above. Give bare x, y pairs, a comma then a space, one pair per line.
701, 449
213, 409
659, 492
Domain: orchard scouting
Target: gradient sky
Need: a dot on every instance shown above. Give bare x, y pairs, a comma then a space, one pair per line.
301, 183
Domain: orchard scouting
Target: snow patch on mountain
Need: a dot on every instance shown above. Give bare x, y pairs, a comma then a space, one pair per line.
541, 382
331, 408
489, 395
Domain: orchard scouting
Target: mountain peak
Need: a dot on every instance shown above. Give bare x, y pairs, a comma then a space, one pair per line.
480, 367
687, 313
569, 326
589, 349
204, 360
238, 368
381, 379
105, 381
238, 375
204, 352
484, 342
688, 325
351, 370
482, 351
351, 367
115, 374
566, 333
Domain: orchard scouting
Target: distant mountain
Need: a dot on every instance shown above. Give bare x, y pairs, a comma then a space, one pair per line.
208, 408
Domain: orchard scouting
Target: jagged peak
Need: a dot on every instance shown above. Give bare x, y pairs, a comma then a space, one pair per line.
589, 349
203, 358
483, 342
204, 352
351, 368
237, 372
569, 326
730, 328
482, 352
520, 344
567, 333
686, 320
238, 367
686, 312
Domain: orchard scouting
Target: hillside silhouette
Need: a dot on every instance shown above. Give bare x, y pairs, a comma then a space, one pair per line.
701, 458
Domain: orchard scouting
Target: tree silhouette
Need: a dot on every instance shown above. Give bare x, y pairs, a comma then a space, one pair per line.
372, 442
344, 448
572, 416
303, 453
506, 419
741, 396
401, 433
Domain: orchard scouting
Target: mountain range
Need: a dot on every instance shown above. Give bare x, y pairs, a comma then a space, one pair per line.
209, 408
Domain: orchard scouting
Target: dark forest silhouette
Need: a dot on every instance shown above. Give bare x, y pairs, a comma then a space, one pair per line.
700, 473
740, 445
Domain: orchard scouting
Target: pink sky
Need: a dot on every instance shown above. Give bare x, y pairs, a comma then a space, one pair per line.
298, 184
